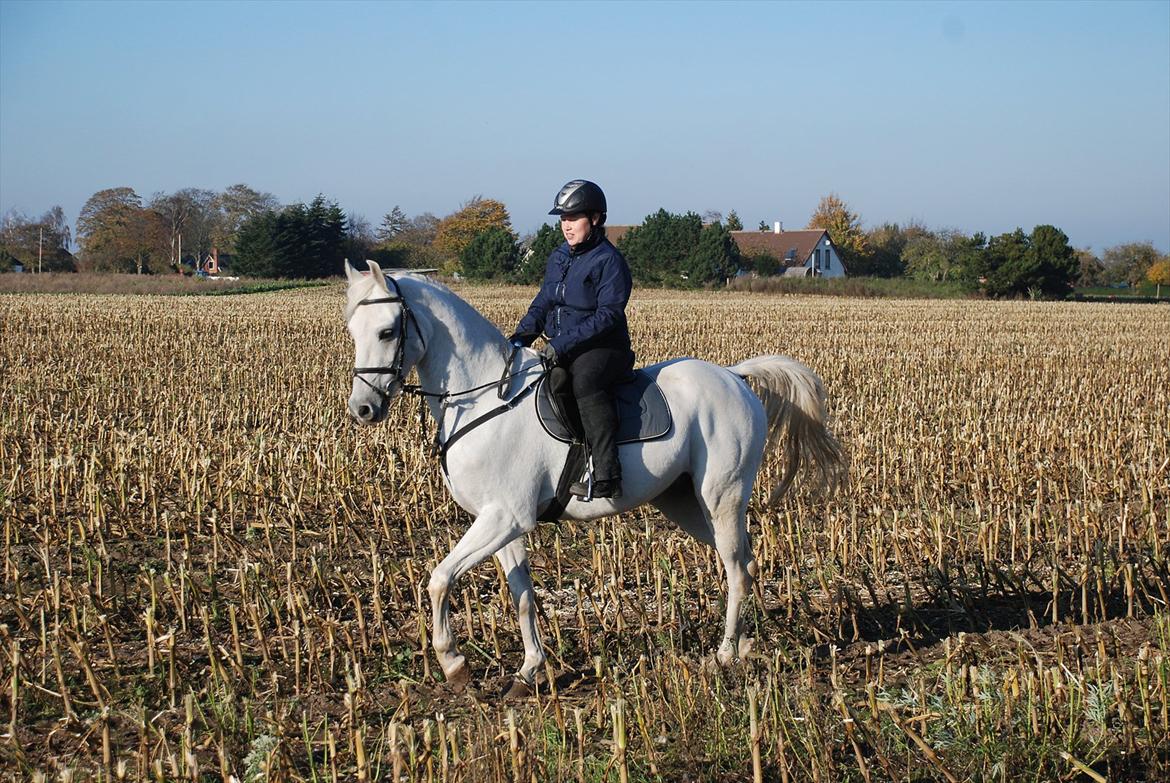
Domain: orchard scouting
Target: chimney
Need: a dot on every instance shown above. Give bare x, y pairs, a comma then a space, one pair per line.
778, 227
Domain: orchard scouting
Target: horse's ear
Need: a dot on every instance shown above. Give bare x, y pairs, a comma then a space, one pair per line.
378, 275
351, 274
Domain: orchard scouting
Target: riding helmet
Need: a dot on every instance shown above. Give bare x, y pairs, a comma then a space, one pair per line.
579, 195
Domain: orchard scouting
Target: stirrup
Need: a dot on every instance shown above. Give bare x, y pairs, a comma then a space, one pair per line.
583, 490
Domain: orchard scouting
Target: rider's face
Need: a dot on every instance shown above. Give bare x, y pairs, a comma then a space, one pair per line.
575, 226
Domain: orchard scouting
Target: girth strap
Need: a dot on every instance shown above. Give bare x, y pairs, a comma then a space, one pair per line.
484, 419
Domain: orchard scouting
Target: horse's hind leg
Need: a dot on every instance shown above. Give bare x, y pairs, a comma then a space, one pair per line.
513, 559
726, 506
722, 523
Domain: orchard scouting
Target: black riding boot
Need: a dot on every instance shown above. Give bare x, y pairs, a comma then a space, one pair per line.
599, 417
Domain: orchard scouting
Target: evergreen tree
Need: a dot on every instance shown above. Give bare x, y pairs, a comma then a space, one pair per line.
764, 264
326, 228
1042, 264
715, 257
1053, 264
531, 268
292, 241
733, 221
969, 256
491, 255
393, 224
1004, 252
657, 250
299, 241
255, 245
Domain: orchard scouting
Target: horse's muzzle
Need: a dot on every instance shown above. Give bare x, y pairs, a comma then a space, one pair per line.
366, 412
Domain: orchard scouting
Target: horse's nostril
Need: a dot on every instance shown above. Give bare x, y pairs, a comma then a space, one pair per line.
365, 412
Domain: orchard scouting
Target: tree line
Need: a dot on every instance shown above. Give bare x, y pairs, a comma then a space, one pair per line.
1038, 263
39, 245
117, 231
257, 236
692, 250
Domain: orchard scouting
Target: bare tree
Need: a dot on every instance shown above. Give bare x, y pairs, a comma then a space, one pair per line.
235, 205
189, 217
360, 239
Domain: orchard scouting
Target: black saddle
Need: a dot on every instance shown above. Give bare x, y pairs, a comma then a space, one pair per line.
643, 413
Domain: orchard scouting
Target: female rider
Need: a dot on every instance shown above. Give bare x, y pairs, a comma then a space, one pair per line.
581, 310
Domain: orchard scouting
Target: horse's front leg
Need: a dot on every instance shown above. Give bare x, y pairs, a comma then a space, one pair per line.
490, 531
513, 558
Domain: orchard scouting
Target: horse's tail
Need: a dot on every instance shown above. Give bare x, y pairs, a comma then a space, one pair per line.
794, 401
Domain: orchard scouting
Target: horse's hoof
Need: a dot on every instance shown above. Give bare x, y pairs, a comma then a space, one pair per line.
460, 678
519, 690
727, 654
745, 647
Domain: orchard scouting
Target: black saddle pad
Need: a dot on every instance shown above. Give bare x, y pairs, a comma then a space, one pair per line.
642, 411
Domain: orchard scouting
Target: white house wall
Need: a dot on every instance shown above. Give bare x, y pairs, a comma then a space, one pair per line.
834, 268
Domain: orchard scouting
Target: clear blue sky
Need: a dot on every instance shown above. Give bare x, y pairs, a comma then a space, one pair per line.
978, 116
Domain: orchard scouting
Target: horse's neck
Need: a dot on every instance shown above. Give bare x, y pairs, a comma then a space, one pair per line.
465, 350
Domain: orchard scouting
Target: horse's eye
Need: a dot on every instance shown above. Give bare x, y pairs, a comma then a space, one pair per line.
386, 334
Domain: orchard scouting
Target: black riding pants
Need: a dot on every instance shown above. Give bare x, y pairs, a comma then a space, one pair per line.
599, 369
593, 374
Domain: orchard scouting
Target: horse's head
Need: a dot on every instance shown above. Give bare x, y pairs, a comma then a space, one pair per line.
388, 341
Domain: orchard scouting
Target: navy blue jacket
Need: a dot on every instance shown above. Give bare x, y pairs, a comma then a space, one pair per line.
582, 302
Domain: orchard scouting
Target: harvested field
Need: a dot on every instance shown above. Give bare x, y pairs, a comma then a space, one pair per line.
160, 285
210, 572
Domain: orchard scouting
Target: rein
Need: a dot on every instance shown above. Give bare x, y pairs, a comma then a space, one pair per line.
438, 447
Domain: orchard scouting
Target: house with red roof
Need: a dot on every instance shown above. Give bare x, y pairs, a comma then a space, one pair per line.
804, 253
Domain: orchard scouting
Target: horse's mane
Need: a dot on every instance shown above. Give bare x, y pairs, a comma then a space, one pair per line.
362, 289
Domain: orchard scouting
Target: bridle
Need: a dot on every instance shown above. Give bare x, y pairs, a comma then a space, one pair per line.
394, 370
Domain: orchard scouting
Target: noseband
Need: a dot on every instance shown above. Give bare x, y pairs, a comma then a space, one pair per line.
394, 369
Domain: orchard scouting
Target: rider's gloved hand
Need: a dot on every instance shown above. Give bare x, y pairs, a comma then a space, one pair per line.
549, 354
522, 339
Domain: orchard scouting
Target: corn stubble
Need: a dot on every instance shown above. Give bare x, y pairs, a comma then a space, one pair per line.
209, 572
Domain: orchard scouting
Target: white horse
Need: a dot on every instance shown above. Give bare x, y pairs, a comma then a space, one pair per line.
699, 475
